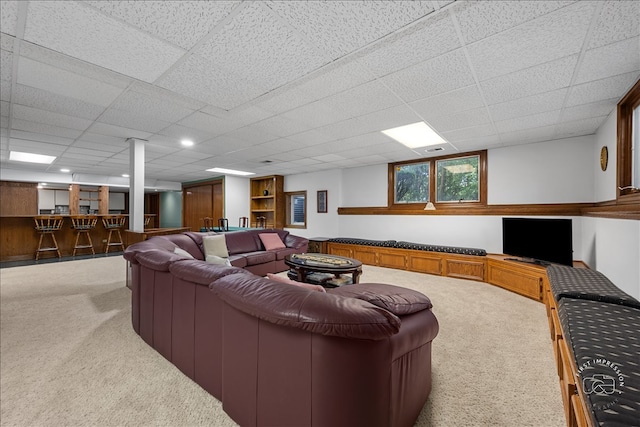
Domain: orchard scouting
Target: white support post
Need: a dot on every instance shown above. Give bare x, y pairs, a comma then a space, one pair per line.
136, 184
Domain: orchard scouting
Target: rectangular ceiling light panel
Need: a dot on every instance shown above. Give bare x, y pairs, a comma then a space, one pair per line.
415, 135
19, 156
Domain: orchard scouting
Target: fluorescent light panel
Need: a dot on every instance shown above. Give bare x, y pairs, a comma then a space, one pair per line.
19, 156
230, 171
415, 135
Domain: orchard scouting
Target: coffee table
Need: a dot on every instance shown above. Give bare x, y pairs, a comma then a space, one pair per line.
305, 264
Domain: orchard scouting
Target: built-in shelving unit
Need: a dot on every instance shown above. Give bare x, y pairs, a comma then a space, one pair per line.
267, 202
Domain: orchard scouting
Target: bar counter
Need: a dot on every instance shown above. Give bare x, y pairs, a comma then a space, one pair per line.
19, 239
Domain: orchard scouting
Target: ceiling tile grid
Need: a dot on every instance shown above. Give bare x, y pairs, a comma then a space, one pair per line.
307, 85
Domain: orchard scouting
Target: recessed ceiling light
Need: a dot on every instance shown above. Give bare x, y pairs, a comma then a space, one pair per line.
230, 171
125, 175
43, 183
187, 142
31, 158
65, 170
415, 135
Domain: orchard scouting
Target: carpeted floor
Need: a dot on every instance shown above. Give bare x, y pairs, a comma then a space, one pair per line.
68, 354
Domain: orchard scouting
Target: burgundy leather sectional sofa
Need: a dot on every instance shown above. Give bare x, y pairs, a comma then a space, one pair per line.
279, 354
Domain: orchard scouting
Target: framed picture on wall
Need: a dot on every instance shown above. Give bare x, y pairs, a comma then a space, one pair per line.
322, 201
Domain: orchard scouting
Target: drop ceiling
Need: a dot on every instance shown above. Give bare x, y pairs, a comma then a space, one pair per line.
291, 87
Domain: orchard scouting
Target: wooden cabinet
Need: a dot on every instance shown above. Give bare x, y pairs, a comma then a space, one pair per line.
267, 202
524, 279
318, 245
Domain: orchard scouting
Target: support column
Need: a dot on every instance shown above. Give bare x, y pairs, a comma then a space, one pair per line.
136, 184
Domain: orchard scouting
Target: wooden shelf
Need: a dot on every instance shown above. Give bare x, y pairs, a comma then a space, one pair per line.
270, 207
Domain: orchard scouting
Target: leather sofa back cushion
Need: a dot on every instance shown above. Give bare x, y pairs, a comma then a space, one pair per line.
316, 312
399, 301
202, 273
240, 242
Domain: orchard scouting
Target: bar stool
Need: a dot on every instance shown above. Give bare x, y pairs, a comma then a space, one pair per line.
114, 223
207, 224
147, 219
223, 224
243, 222
83, 224
48, 225
261, 222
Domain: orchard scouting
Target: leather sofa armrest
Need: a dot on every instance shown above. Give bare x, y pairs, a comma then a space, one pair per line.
297, 242
201, 272
296, 307
157, 259
399, 301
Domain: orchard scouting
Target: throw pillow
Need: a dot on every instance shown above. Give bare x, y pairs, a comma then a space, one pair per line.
283, 279
271, 241
182, 253
214, 259
215, 245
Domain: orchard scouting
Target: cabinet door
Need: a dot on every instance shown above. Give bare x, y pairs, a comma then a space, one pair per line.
62, 197
46, 199
84, 198
116, 201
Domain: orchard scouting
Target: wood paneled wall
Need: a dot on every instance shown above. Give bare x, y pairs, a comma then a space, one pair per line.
201, 200
18, 198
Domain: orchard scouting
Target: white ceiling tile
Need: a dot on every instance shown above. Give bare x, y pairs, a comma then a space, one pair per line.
435, 36
111, 148
5, 90
580, 127
482, 19
6, 71
30, 126
612, 87
280, 126
158, 107
128, 119
363, 99
117, 131
386, 119
448, 103
311, 137
4, 110
205, 80
340, 27
618, 20
6, 41
251, 134
36, 147
281, 144
532, 43
469, 133
22, 112
62, 82
539, 79
463, 119
442, 74
538, 120
181, 132
182, 23
316, 114
585, 111
208, 123
8, 16
34, 136
44, 100
81, 32
545, 133
259, 49
528, 105
610, 60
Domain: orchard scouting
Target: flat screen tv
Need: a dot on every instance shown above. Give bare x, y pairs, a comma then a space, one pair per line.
538, 240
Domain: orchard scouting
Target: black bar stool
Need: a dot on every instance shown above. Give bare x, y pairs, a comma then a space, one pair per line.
47, 225
223, 224
243, 222
83, 224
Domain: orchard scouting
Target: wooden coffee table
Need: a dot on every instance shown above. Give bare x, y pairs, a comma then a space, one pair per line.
305, 264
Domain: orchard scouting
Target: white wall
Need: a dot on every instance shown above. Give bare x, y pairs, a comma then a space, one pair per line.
558, 171
318, 224
236, 198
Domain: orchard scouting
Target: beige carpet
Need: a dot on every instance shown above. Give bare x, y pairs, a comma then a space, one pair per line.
68, 354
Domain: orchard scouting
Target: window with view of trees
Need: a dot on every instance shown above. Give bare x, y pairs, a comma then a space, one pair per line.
447, 179
457, 180
296, 216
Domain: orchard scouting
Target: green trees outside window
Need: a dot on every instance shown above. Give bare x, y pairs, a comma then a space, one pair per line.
457, 180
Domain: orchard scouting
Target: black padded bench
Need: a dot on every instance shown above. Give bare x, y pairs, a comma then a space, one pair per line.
410, 245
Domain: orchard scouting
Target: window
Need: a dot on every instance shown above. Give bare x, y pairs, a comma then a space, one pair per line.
629, 146
296, 209
448, 179
457, 179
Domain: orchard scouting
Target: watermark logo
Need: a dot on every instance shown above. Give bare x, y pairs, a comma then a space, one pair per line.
606, 381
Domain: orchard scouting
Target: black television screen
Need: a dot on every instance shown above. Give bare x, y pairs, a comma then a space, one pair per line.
538, 239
